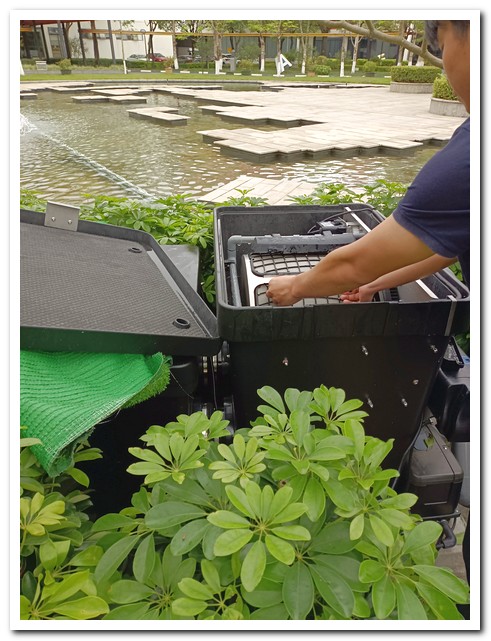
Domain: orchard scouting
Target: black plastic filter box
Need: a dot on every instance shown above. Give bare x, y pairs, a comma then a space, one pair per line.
103, 288
435, 475
385, 352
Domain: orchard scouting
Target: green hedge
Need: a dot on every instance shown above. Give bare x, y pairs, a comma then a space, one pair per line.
442, 89
414, 74
322, 70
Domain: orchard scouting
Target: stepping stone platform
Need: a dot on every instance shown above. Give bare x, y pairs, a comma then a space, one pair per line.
127, 98
160, 115
274, 191
28, 96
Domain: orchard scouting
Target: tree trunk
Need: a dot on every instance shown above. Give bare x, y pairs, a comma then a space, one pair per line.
82, 46
400, 51
356, 44
343, 56
111, 42
262, 55
424, 46
96, 44
174, 45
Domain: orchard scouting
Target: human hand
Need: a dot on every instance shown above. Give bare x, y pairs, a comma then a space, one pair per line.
280, 291
363, 294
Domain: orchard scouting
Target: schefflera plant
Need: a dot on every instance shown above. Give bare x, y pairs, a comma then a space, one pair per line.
294, 519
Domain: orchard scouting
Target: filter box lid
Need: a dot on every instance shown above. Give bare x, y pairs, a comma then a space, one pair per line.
104, 288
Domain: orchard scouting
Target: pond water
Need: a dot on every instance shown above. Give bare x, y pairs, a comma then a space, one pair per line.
69, 151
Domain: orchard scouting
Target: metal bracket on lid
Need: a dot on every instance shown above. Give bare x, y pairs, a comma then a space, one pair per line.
61, 216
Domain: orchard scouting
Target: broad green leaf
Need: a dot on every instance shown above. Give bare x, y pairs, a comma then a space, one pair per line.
253, 566
314, 499
381, 530
354, 430
226, 453
335, 591
361, 609
88, 557
298, 591
267, 496
292, 532
80, 477
441, 606
408, 604
188, 607
334, 537
346, 567
239, 446
275, 613
396, 518
231, 541
348, 406
113, 557
208, 542
238, 498
383, 597
326, 452
226, 519
127, 612
357, 526
423, 534
290, 513
88, 607
301, 465
67, 587
402, 501
165, 515
25, 606
210, 575
266, 594
144, 559
189, 536
280, 500
126, 591
300, 424
279, 452
339, 495
371, 571
445, 581
48, 555
272, 397
195, 590
337, 397
321, 471
281, 550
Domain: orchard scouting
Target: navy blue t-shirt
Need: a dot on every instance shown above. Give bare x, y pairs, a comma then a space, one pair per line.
436, 206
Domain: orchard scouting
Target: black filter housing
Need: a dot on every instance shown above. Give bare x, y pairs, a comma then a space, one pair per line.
386, 352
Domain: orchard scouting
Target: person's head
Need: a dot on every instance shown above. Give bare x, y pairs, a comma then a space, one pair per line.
452, 39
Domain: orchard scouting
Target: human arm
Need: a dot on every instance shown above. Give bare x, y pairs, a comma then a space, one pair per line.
386, 248
365, 293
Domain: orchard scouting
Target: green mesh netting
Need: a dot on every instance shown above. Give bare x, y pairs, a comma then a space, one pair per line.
63, 395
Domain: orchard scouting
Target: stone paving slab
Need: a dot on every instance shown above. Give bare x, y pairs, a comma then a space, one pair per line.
276, 192
127, 98
123, 91
90, 99
28, 95
159, 116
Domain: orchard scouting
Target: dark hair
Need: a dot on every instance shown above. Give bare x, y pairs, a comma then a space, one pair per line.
431, 30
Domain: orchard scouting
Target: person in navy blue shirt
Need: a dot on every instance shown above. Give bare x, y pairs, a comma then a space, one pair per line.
428, 231
430, 228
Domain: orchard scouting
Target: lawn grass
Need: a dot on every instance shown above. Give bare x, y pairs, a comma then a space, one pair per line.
88, 75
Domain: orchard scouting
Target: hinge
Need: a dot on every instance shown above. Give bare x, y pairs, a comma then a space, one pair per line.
61, 216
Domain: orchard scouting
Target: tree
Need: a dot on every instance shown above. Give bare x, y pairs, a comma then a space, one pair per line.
374, 32
344, 46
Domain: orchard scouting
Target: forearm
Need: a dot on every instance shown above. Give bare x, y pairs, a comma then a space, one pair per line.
410, 273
